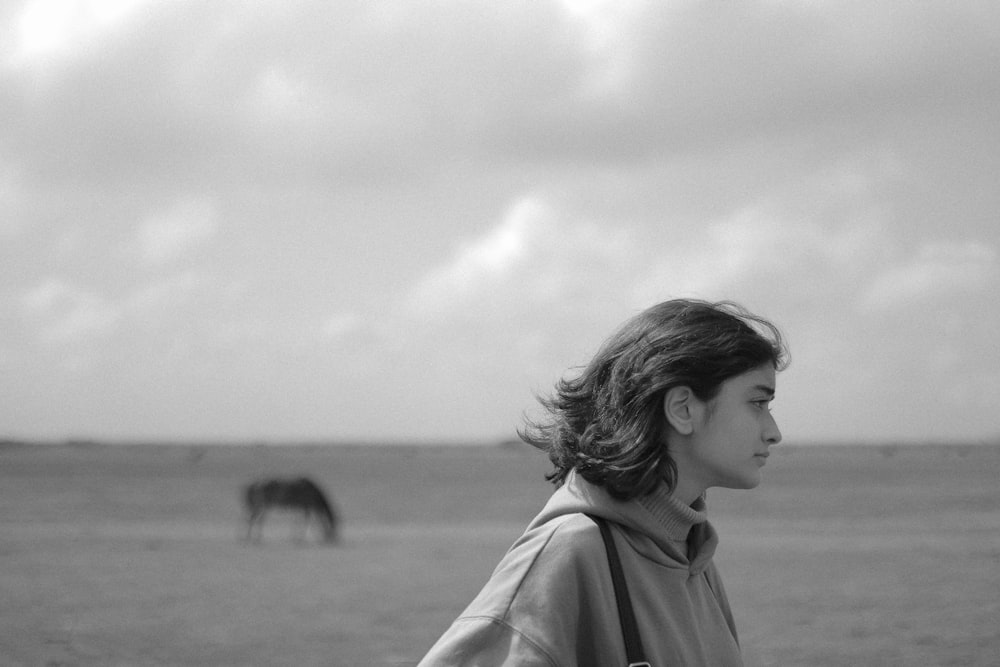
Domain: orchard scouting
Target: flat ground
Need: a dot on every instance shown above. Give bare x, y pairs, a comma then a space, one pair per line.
130, 555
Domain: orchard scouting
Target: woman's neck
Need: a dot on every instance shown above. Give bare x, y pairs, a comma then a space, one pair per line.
686, 491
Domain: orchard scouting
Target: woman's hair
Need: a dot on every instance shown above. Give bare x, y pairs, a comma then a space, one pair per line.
608, 423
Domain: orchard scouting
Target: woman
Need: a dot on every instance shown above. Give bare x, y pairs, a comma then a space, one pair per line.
675, 402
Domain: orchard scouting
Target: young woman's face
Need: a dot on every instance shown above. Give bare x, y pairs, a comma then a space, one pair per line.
730, 442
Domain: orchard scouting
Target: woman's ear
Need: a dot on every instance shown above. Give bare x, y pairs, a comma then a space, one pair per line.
679, 409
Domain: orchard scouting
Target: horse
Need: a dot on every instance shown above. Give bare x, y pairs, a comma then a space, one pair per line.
300, 494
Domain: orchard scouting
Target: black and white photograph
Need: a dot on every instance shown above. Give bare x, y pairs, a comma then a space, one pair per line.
555, 333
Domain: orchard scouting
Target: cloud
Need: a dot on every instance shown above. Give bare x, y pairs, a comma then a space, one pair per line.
52, 29
11, 204
282, 98
764, 255
482, 262
168, 236
342, 324
692, 75
537, 256
66, 313
363, 92
159, 299
553, 264
590, 157
939, 270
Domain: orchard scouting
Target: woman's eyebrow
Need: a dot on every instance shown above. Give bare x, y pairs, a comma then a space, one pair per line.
765, 389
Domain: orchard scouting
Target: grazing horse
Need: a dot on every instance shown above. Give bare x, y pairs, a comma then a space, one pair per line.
300, 494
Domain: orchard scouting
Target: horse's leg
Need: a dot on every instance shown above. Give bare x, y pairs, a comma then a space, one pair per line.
303, 528
323, 526
255, 526
319, 526
329, 531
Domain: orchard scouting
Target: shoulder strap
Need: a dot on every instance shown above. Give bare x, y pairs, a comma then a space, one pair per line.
633, 642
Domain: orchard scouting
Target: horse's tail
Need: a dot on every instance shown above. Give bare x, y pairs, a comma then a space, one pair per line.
323, 507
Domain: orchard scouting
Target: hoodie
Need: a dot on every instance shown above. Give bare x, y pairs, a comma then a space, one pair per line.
551, 602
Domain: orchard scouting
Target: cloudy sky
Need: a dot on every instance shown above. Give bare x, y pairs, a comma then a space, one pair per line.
306, 219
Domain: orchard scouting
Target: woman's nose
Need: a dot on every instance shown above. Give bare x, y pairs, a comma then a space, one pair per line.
772, 435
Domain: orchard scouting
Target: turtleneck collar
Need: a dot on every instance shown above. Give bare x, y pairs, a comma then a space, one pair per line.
675, 517
678, 532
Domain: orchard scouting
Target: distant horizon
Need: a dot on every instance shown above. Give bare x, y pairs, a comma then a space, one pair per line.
511, 443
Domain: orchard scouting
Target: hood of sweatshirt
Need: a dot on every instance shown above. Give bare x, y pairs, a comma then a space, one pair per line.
657, 525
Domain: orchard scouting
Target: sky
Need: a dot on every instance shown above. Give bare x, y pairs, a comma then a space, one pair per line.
402, 220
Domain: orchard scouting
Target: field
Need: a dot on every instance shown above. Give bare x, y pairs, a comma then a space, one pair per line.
130, 555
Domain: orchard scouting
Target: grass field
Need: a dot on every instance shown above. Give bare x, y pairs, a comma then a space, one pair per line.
129, 555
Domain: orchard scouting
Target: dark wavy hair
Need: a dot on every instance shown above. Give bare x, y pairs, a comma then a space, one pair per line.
608, 423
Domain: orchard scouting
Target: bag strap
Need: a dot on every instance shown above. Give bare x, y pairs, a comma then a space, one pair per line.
630, 630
